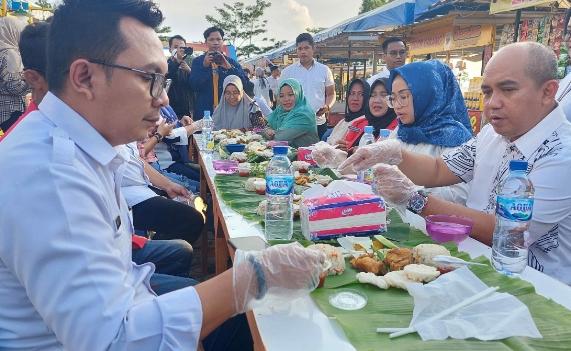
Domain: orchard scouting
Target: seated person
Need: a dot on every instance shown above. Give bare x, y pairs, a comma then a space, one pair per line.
356, 101
377, 114
235, 107
293, 120
526, 123
168, 218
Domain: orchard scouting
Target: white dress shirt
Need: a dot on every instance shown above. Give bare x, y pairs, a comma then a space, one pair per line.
484, 160
66, 277
313, 81
564, 95
135, 183
384, 73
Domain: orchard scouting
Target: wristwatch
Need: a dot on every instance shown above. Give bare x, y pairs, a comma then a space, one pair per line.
417, 202
158, 136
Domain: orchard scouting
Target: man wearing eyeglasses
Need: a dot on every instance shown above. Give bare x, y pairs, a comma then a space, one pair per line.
394, 55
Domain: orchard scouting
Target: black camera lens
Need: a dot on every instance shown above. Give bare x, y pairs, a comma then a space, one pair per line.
188, 51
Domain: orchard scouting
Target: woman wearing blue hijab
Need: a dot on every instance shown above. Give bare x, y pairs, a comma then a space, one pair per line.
429, 105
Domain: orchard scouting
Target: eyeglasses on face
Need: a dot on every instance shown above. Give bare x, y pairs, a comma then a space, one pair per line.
402, 98
158, 80
395, 53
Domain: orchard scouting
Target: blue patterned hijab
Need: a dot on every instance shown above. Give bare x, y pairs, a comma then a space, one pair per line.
440, 115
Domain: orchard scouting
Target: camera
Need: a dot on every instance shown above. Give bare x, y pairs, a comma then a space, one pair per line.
217, 57
188, 51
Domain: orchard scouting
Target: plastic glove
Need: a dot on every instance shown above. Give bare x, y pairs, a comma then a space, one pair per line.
390, 183
327, 156
279, 272
386, 151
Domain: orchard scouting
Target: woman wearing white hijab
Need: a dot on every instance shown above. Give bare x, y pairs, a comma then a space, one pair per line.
13, 88
234, 110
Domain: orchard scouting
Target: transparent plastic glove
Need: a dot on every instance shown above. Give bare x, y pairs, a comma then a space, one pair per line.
390, 183
386, 151
281, 272
327, 156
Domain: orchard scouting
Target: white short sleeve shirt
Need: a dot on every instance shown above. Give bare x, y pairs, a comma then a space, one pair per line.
67, 281
484, 160
313, 81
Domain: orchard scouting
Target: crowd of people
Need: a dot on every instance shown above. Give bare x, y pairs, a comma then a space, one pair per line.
98, 221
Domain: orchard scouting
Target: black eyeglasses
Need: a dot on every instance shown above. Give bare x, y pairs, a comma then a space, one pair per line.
395, 54
158, 80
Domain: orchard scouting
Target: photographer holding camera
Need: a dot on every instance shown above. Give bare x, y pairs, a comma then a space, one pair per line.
209, 71
180, 94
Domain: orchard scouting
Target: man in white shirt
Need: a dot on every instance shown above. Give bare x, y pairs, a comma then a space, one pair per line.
66, 277
564, 95
394, 55
525, 124
315, 78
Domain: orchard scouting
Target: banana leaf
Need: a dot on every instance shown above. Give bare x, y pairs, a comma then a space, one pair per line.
394, 307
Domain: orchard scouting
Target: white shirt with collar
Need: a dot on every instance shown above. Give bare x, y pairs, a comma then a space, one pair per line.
135, 183
313, 81
484, 160
66, 277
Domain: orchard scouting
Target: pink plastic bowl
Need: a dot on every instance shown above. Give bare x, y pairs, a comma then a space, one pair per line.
443, 228
225, 166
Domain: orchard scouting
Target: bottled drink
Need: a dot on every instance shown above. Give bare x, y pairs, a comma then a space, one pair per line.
207, 137
279, 189
514, 207
366, 176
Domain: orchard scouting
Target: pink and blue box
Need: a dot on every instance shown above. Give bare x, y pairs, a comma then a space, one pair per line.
333, 215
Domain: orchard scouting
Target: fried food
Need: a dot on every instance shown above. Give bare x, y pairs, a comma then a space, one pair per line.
366, 263
397, 258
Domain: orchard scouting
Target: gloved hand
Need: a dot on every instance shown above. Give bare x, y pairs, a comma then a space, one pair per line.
386, 151
327, 156
390, 183
281, 271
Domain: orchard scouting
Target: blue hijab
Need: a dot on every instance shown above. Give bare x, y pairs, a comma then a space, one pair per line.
440, 115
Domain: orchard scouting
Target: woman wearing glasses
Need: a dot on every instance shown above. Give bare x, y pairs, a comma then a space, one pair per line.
377, 114
293, 120
431, 114
356, 99
234, 110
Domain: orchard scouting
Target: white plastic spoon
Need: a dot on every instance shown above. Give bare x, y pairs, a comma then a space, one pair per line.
455, 260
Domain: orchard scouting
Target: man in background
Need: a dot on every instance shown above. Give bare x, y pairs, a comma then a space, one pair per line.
273, 80
394, 55
180, 92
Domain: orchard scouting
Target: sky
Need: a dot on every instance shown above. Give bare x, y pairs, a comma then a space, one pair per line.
286, 18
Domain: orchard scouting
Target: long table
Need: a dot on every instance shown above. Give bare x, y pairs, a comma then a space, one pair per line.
300, 325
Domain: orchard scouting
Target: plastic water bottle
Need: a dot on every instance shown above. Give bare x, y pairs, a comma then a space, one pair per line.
514, 207
207, 138
366, 176
279, 190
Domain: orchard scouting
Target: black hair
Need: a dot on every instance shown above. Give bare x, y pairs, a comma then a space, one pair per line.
389, 40
211, 30
304, 37
90, 29
179, 37
273, 68
33, 43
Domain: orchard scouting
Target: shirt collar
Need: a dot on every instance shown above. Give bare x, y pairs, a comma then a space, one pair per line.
310, 67
530, 141
78, 129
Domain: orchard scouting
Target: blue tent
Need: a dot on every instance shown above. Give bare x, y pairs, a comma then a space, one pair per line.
395, 13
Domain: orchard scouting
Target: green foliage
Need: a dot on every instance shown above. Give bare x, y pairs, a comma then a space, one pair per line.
165, 31
314, 30
368, 5
243, 24
44, 4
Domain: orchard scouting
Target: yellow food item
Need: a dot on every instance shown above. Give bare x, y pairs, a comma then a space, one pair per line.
396, 259
367, 263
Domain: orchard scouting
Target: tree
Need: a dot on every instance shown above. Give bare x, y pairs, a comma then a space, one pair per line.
314, 30
368, 5
165, 30
44, 4
243, 26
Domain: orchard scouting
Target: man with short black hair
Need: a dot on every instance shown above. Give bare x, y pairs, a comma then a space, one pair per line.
208, 72
67, 278
180, 93
316, 80
273, 80
394, 55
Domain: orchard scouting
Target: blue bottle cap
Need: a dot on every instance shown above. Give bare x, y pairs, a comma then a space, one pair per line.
518, 165
280, 149
206, 113
384, 133
369, 129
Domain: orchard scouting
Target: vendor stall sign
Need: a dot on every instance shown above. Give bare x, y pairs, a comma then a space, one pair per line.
475, 120
454, 38
497, 6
